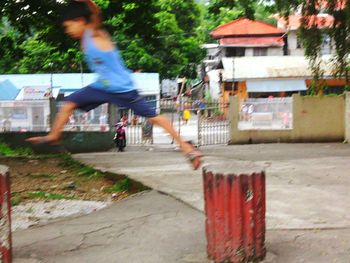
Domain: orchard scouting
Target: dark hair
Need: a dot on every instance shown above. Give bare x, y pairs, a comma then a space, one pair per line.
74, 10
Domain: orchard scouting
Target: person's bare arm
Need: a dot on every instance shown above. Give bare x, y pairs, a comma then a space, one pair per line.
96, 17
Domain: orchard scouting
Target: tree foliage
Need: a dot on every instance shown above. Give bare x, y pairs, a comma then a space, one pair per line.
224, 11
153, 36
313, 35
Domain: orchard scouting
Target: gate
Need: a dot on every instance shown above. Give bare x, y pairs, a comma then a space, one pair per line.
208, 125
214, 124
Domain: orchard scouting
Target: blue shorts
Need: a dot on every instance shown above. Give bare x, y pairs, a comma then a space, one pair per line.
89, 98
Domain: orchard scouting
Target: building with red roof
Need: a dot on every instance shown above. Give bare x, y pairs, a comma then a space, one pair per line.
293, 23
245, 37
249, 47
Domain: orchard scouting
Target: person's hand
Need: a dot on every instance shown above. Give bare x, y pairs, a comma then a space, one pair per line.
96, 12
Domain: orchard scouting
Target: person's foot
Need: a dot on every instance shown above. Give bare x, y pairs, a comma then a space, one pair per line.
193, 155
42, 140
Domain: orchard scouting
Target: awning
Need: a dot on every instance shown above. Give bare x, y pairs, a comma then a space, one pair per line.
275, 85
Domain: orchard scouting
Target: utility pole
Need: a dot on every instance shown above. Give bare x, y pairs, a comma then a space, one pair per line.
180, 108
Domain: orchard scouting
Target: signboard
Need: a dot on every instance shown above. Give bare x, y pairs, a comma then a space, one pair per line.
36, 92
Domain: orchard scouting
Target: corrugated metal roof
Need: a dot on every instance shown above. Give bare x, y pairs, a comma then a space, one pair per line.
252, 41
7, 90
146, 83
73, 81
245, 26
271, 67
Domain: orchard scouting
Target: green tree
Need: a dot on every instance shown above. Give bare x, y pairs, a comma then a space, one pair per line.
313, 36
152, 35
40, 44
177, 26
220, 12
10, 51
157, 35
41, 57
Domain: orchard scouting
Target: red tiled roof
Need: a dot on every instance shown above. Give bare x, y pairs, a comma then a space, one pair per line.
339, 4
294, 21
252, 41
245, 26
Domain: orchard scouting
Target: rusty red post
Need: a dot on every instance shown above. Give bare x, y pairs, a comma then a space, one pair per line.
235, 213
5, 217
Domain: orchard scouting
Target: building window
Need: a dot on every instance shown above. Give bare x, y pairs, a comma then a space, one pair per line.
326, 47
235, 52
260, 51
299, 43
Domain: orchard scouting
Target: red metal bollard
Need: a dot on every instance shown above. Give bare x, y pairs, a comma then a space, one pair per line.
235, 214
5, 217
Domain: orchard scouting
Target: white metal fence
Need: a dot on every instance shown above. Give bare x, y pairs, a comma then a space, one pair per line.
35, 115
266, 113
22, 116
94, 120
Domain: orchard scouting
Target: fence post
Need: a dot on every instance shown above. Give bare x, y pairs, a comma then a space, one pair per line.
112, 116
53, 111
347, 117
235, 213
199, 127
5, 217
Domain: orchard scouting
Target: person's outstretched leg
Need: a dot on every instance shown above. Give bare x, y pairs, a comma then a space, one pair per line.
61, 119
194, 155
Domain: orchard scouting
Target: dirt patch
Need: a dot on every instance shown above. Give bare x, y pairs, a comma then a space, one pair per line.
34, 179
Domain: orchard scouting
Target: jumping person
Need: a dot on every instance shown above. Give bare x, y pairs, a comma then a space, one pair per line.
82, 21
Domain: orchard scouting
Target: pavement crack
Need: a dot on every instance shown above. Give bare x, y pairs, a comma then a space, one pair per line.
297, 236
85, 236
98, 230
46, 240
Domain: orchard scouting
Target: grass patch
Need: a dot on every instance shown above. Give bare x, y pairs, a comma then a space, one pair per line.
68, 162
6, 150
15, 198
46, 196
120, 186
82, 170
15, 201
60, 172
90, 173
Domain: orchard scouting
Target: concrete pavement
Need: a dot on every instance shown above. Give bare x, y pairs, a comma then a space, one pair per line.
149, 228
307, 208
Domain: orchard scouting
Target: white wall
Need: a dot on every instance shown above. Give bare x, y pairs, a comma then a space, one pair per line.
249, 52
214, 85
292, 44
275, 51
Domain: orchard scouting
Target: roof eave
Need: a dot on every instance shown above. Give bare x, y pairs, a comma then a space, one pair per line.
257, 45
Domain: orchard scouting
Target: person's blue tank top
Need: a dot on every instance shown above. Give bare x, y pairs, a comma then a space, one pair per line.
113, 76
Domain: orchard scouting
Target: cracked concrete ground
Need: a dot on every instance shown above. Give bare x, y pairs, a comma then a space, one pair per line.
148, 227
307, 208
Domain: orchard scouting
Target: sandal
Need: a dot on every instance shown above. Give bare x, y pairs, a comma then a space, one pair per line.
194, 157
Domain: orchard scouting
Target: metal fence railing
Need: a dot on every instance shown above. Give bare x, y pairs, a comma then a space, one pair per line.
198, 121
267, 113
22, 116
213, 124
35, 115
94, 120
